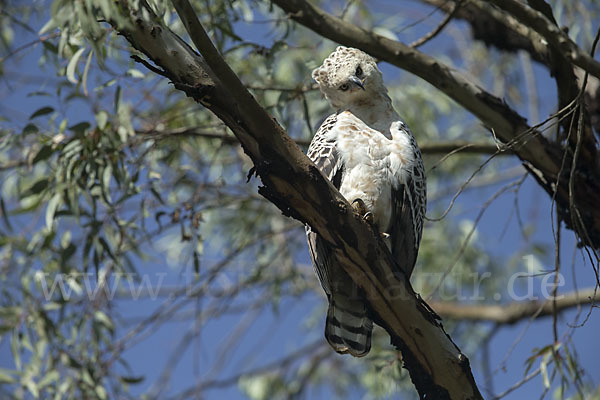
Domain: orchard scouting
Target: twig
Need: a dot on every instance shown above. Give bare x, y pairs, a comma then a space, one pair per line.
290, 358
468, 238
149, 66
40, 39
518, 384
420, 42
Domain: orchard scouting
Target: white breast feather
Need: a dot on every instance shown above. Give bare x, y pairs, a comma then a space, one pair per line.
373, 163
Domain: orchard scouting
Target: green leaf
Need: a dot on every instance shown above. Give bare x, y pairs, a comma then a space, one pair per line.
107, 248
30, 128
73, 66
101, 392
104, 320
5, 329
39, 93
5, 376
52, 306
32, 387
131, 379
135, 73
53, 205
5, 214
51, 376
73, 284
544, 370
86, 70
45, 152
68, 252
62, 126
51, 24
106, 175
14, 348
41, 111
37, 187
87, 377
105, 85
102, 119
157, 195
117, 99
196, 263
80, 127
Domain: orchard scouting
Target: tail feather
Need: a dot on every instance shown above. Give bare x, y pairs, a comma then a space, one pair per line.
348, 327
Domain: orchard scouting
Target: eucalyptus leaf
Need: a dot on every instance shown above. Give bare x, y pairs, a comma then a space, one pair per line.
41, 111
72, 66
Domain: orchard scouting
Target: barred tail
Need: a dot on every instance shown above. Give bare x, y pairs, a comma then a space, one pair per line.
348, 328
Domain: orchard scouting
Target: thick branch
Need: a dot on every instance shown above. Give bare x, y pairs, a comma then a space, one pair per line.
512, 313
560, 64
492, 111
522, 28
495, 28
437, 367
551, 32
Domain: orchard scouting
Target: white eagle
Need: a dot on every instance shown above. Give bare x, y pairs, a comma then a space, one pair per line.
372, 158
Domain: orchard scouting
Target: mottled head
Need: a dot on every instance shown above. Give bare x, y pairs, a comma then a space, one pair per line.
349, 76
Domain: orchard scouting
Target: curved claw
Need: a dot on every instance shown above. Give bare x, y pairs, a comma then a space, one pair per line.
368, 216
359, 206
361, 209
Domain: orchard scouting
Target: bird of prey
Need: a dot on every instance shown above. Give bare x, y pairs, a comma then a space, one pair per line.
372, 158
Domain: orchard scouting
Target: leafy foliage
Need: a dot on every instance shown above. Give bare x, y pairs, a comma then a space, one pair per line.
110, 175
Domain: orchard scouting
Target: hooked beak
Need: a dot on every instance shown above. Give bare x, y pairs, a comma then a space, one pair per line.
357, 82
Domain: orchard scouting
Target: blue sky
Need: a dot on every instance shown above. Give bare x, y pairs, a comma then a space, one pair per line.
273, 333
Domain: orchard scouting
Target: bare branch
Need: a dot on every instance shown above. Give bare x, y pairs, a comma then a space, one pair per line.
458, 146
517, 385
292, 357
509, 314
420, 42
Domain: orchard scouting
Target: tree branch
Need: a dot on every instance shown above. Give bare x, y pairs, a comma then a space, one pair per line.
551, 32
458, 146
437, 367
560, 64
541, 157
496, 28
508, 314
420, 42
522, 28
